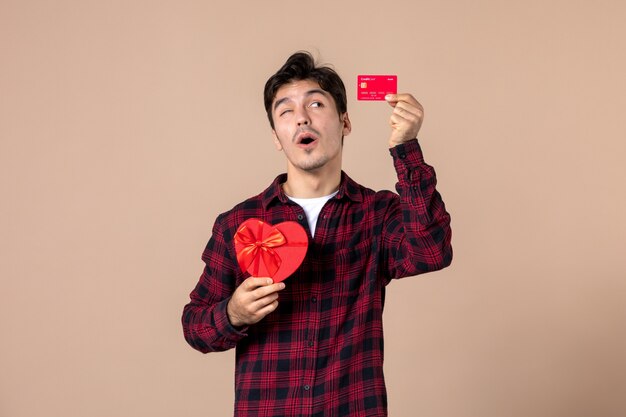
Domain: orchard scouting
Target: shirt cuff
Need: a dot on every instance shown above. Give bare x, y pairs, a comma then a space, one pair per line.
407, 157
223, 325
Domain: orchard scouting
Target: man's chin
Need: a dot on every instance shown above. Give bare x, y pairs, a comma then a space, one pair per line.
312, 166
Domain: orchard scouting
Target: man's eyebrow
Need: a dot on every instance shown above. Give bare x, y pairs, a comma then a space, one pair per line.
281, 101
316, 90
308, 93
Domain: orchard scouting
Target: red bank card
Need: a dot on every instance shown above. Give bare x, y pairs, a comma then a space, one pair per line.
376, 87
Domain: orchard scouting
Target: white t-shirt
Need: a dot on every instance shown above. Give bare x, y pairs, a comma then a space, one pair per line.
312, 208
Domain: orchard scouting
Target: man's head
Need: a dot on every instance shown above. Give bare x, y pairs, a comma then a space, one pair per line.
306, 107
301, 66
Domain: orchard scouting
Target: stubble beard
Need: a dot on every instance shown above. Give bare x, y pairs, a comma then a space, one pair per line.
312, 164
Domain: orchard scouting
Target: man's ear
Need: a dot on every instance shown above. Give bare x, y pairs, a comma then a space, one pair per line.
279, 147
347, 125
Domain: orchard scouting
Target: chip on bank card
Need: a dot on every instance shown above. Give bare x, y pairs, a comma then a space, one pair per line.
376, 87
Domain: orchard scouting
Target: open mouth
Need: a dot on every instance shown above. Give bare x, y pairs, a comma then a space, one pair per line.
305, 139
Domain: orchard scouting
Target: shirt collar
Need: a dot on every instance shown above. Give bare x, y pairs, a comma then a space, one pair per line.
348, 188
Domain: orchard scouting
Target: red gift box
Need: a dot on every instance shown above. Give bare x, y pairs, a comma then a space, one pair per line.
266, 250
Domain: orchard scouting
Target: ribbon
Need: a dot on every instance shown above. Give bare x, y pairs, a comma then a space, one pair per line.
255, 249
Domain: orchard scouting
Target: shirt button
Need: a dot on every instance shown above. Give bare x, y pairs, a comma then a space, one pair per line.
310, 344
300, 216
307, 387
314, 300
402, 156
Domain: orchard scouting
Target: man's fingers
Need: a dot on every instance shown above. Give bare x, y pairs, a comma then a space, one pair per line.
404, 107
395, 98
268, 309
403, 116
261, 303
267, 290
395, 120
251, 283
390, 98
408, 112
258, 289
258, 309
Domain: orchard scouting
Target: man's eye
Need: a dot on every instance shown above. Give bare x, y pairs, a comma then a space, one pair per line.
316, 104
284, 111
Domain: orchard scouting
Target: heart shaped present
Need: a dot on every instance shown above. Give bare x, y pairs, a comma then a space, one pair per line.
266, 250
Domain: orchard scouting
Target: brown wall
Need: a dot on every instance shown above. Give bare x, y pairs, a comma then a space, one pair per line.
120, 126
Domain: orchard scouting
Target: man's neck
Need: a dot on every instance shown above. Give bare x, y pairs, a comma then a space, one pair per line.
303, 184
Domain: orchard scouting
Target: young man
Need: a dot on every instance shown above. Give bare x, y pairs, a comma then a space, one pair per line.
313, 345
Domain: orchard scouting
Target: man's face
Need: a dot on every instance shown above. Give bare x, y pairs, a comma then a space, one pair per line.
307, 126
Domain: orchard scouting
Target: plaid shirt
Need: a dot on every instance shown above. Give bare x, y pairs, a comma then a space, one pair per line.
321, 352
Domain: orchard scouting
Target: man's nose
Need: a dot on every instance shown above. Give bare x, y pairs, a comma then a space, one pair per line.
302, 118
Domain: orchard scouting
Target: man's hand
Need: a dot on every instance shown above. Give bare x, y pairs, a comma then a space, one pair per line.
406, 118
254, 299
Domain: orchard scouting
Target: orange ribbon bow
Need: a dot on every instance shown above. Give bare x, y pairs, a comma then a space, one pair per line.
255, 249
